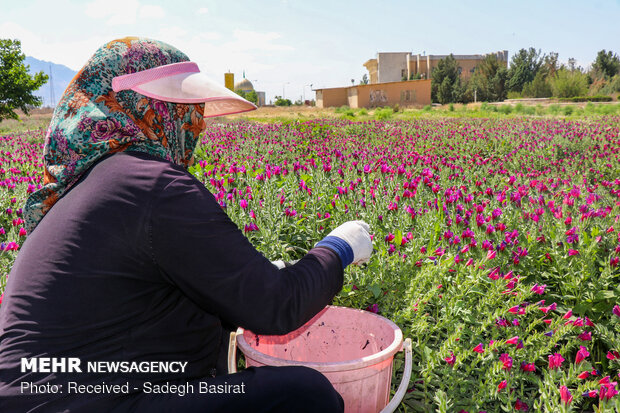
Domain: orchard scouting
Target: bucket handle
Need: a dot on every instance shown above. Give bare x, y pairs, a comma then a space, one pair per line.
404, 383
232, 353
392, 405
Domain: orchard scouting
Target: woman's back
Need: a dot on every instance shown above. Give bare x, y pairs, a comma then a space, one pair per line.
93, 252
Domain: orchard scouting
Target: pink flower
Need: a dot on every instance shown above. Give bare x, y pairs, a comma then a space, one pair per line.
373, 308
539, 289
572, 252
513, 340
479, 348
616, 310
584, 375
491, 254
502, 385
565, 395
528, 367
555, 361
568, 314
613, 355
450, 360
549, 308
520, 406
585, 336
506, 361
581, 354
22, 232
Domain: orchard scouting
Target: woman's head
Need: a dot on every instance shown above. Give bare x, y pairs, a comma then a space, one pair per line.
91, 120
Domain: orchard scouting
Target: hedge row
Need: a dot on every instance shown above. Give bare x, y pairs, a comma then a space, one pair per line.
587, 99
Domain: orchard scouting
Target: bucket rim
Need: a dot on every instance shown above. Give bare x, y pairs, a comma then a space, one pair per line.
353, 364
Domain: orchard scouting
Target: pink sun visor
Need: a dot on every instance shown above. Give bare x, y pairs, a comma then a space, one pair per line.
183, 83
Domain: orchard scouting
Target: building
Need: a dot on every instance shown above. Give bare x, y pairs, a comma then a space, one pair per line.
405, 93
394, 67
390, 80
244, 85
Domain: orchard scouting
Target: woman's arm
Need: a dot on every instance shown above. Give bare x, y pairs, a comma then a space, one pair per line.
200, 250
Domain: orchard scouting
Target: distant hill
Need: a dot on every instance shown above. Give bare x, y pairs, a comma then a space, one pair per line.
60, 76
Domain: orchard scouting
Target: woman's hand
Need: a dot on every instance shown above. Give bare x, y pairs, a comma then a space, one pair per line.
356, 234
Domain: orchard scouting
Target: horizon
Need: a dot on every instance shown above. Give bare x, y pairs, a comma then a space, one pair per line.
285, 46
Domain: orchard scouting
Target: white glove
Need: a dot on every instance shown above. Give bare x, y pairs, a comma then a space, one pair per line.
357, 235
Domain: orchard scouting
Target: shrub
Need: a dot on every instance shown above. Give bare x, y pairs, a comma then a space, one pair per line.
384, 113
427, 108
363, 112
566, 84
598, 98
567, 110
505, 109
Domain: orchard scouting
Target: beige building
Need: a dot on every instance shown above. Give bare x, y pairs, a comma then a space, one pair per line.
393, 67
407, 93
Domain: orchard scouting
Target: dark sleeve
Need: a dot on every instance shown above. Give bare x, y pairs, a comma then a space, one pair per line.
202, 252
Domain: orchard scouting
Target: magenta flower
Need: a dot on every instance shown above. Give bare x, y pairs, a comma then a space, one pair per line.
616, 310
591, 394
583, 375
565, 395
528, 367
581, 354
568, 314
551, 307
502, 385
506, 361
479, 348
585, 336
520, 406
373, 308
572, 252
539, 289
450, 360
555, 361
513, 340
613, 355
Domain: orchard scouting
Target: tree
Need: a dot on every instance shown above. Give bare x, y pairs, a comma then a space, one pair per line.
607, 64
489, 80
523, 68
364, 80
446, 82
250, 96
540, 87
569, 83
16, 84
282, 102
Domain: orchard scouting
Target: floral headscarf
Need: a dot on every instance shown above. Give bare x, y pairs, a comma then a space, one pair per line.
91, 120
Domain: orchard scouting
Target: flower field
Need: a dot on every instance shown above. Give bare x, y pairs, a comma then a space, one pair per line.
497, 242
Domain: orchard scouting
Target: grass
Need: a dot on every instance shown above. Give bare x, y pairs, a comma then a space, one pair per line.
40, 118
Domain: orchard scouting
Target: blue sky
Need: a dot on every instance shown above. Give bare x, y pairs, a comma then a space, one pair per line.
285, 45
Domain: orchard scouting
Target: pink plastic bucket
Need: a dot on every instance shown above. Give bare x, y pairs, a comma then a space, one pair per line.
354, 349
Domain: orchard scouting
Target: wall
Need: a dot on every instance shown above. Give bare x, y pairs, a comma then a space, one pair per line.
408, 93
392, 66
334, 97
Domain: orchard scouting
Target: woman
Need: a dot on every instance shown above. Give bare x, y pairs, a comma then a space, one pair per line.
129, 258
